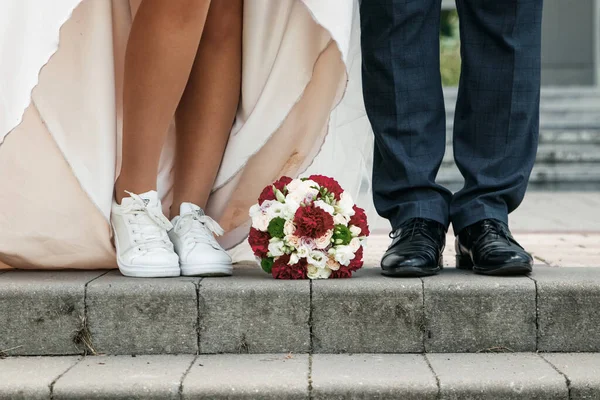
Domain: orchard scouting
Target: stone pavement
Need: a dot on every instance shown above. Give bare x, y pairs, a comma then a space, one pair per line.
521, 376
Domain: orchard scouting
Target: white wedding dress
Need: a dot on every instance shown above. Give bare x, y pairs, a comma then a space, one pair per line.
61, 65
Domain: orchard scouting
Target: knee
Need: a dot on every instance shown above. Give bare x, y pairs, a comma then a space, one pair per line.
224, 22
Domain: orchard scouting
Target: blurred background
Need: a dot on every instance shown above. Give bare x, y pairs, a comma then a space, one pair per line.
564, 192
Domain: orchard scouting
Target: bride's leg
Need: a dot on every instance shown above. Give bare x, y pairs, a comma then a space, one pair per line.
207, 109
162, 46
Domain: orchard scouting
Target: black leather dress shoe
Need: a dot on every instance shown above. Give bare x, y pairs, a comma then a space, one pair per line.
488, 248
416, 249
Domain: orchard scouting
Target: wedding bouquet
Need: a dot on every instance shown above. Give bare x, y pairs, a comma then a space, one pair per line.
308, 228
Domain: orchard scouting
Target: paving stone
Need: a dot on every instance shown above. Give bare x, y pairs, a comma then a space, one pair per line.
465, 312
124, 377
497, 376
42, 311
583, 372
368, 314
253, 313
368, 376
568, 312
248, 376
30, 378
143, 316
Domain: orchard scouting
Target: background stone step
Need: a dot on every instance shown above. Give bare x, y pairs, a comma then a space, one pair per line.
569, 133
70, 313
554, 153
515, 376
574, 176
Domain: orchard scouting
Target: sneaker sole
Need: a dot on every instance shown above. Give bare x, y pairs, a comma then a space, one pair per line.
214, 270
149, 271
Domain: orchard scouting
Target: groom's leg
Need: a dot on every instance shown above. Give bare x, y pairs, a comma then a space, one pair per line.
497, 114
404, 101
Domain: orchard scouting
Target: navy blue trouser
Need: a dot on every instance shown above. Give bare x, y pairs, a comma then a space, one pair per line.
496, 122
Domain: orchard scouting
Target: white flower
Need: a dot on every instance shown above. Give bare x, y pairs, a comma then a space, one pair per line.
355, 230
342, 254
317, 258
261, 222
255, 211
324, 241
276, 247
294, 259
355, 244
275, 210
303, 251
289, 208
345, 205
318, 273
289, 228
340, 219
302, 192
324, 206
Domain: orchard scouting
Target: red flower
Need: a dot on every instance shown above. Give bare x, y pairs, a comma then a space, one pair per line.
312, 222
360, 219
267, 193
281, 269
259, 242
329, 183
357, 261
342, 273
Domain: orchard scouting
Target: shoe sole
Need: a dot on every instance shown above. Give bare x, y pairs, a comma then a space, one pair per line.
214, 270
149, 271
413, 272
507, 270
410, 272
516, 269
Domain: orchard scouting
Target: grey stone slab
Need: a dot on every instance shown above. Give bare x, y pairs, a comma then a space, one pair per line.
30, 378
124, 377
368, 313
368, 376
568, 311
248, 376
253, 313
40, 312
143, 316
583, 372
516, 376
465, 312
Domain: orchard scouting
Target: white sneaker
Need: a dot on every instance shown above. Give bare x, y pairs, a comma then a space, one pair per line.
141, 239
194, 241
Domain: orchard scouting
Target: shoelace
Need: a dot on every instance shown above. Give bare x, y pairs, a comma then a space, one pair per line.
151, 225
491, 227
415, 226
201, 227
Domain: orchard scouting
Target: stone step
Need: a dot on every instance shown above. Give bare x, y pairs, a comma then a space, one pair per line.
549, 95
518, 376
551, 153
559, 136
95, 312
580, 175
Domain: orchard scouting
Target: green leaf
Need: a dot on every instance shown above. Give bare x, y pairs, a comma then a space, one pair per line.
267, 264
276, 227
